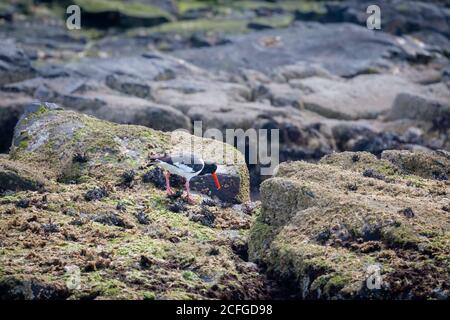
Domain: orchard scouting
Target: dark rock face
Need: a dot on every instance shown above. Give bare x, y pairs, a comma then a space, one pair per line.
229, 191
17, 289
399, 17
111, 219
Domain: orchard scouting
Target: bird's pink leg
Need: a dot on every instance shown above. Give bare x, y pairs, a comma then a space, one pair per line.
168, 188
188, 193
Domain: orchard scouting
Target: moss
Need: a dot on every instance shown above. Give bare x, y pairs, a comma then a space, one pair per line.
190, 276
178, 295
386, 169
260, 237
99, 282
42, 109
187, 5
9, 199
202, 25
142, 246
24, 140
336, 283
148, 295
274, 21
304, 6
135, 9
401, 236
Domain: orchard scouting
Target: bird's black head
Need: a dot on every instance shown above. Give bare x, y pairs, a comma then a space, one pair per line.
209, 168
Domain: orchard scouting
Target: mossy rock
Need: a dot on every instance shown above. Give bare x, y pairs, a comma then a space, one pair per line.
16, 176
323, 227
71, 147
59, 243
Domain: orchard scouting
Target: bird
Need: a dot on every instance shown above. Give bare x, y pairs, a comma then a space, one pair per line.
186, 165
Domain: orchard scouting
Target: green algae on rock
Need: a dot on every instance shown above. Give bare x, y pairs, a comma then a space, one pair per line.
52, 138
322, 239
59, 243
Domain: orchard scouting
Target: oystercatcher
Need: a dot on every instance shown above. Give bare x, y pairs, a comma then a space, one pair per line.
186, 165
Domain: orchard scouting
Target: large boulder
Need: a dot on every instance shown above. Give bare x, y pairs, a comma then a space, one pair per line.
11, 107
54, 140
353, 226
82, 216
80, 206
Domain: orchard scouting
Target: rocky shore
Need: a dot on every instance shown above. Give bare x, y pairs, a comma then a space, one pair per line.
364, 122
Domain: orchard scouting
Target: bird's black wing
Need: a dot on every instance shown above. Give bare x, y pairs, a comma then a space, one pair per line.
187, 162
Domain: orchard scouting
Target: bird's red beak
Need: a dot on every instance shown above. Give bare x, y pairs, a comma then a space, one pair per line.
216, 180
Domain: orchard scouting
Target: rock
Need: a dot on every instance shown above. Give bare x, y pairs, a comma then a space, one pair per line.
279, 95
128, 85
111, 219
96, 194
51, 138
6, 12
112, 235
11, 107
414, 106
127, 110
28, 288
14, 64
149, 66
309, 218
428, 165
16, 176
364, 50
300, 70
351, 136
364, 96
128, 224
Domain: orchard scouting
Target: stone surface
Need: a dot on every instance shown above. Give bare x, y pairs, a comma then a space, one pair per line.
419, 107
14, 64
364, 96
